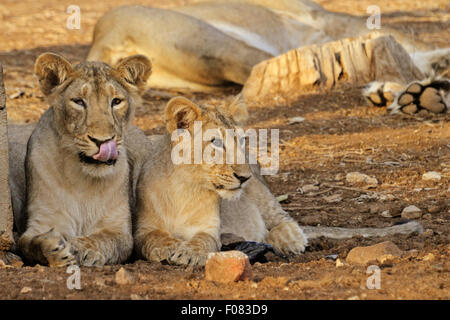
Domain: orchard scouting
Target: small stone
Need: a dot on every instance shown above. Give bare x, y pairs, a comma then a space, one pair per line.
431, 176
124, 277
282, 198
2, 264
228, 266
411, 212
427, 216
387, 197
413, 253
386, 214
386, 259
358, 178
294, 120
429, 257
26, 290
309, 188
332, 257
135, 297
434, 209
363, 255
339, 177
428, 233
333, 198
339, 263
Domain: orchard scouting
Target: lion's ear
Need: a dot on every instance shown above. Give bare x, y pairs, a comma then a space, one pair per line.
181, 113
135, 70
238, 110
51, 70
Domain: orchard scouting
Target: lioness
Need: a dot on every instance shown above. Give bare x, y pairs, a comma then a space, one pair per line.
214, 42
80, 163
183, 208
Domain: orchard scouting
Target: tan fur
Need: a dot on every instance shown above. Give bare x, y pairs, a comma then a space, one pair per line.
80, 212
182, 209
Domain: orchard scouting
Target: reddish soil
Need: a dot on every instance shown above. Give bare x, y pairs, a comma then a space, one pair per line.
340, 134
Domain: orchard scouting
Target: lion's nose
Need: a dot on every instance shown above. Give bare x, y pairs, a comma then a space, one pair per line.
99, 142
242, 179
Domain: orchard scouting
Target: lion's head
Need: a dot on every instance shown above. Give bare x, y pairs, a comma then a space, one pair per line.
216, 158
93, 105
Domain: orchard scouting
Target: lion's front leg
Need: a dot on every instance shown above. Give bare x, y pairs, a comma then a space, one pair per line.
195, 251
102, 247
47, 248
287, 238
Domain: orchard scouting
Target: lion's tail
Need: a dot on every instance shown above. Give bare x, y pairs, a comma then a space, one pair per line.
345, 233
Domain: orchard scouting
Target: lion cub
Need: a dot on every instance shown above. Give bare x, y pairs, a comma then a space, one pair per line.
77, 167
183, 208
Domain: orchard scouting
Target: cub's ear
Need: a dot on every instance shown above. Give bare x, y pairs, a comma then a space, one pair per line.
135, 70
238, 110
51, 70
181, 113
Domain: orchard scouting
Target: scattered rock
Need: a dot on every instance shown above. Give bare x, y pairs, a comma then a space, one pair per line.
431, 176
413, 253
434, 209
339, 177
228, 266
428, 233
357, 178
332, 257
411, 212
333, 198
363, 255
429, 257
123, 277
26, 290
339, 263
387, 197
294, 120
386, 214
309, 188
282, 198
427, 216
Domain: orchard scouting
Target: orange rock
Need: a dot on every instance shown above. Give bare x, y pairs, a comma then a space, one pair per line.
363, 255
228, 266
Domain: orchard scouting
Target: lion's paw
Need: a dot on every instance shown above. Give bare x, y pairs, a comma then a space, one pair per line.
426, 96
381, 94
86, 256
55, 249
287, 239
189, 255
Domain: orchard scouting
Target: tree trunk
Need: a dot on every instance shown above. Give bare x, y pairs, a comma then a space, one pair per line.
6, 217
319, 68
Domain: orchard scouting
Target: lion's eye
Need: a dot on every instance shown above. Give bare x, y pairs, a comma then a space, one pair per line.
79, 102
115, 102
217, 142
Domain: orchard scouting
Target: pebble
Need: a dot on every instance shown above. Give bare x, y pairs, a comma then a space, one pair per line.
386, 214
434, 209
427, 216
363, 255
428, 233
228, 266
26, 290
361, 179
339, 263
429, 257
309, 188
431, 176
123, 277
411, 212
296, 120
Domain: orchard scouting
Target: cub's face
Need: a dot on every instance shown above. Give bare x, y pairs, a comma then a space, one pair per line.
220, 163
93, 106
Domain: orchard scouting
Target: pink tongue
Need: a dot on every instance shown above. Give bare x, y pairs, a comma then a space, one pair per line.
108, 151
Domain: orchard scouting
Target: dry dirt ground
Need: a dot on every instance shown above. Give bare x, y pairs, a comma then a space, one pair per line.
340, 134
